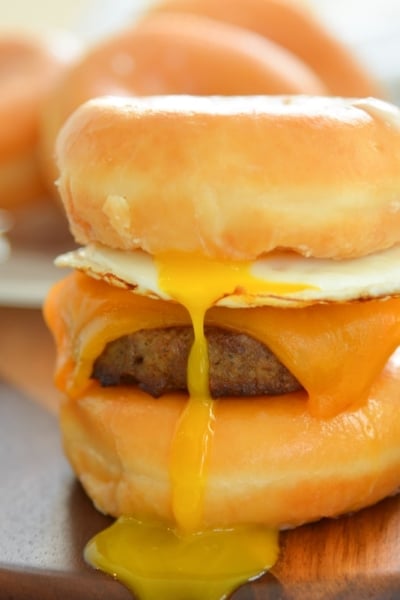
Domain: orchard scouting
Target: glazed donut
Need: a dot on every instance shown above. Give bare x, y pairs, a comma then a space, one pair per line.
184, 185
29, 67
315, 161
292, 25
302, 470
174, 54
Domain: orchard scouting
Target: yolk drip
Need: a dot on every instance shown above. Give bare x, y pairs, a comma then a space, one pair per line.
152, 559
196, 283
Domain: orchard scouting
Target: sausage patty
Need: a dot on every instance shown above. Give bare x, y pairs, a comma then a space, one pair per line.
156, 361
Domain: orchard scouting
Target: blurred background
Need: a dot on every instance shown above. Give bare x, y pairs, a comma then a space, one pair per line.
37, 232
370, 27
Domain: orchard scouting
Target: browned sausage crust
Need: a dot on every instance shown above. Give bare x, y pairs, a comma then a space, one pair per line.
156, 360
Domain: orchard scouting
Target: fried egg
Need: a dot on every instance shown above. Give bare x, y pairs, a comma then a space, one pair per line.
284, 278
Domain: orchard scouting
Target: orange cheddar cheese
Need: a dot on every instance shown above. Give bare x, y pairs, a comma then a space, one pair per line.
336, 351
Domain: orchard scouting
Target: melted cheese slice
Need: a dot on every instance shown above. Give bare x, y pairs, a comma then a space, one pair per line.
336, 351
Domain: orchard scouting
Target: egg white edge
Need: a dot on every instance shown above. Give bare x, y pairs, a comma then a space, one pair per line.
372, 276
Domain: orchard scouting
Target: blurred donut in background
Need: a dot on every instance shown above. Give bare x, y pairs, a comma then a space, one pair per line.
174, 54
29, 66
293, 25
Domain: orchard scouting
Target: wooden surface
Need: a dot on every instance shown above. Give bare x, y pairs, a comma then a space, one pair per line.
44, 526
27, 355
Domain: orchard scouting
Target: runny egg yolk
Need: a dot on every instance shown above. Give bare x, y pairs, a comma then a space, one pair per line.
156, 561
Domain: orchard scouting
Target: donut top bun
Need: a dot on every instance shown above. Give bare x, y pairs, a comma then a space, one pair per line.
233, 177
174, 54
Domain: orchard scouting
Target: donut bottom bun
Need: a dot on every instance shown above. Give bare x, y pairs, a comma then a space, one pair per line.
270, 461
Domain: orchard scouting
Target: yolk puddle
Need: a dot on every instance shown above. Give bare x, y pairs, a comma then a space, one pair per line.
150, 558
156, 562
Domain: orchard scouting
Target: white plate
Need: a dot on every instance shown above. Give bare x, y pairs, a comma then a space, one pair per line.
26, 277
27, 253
